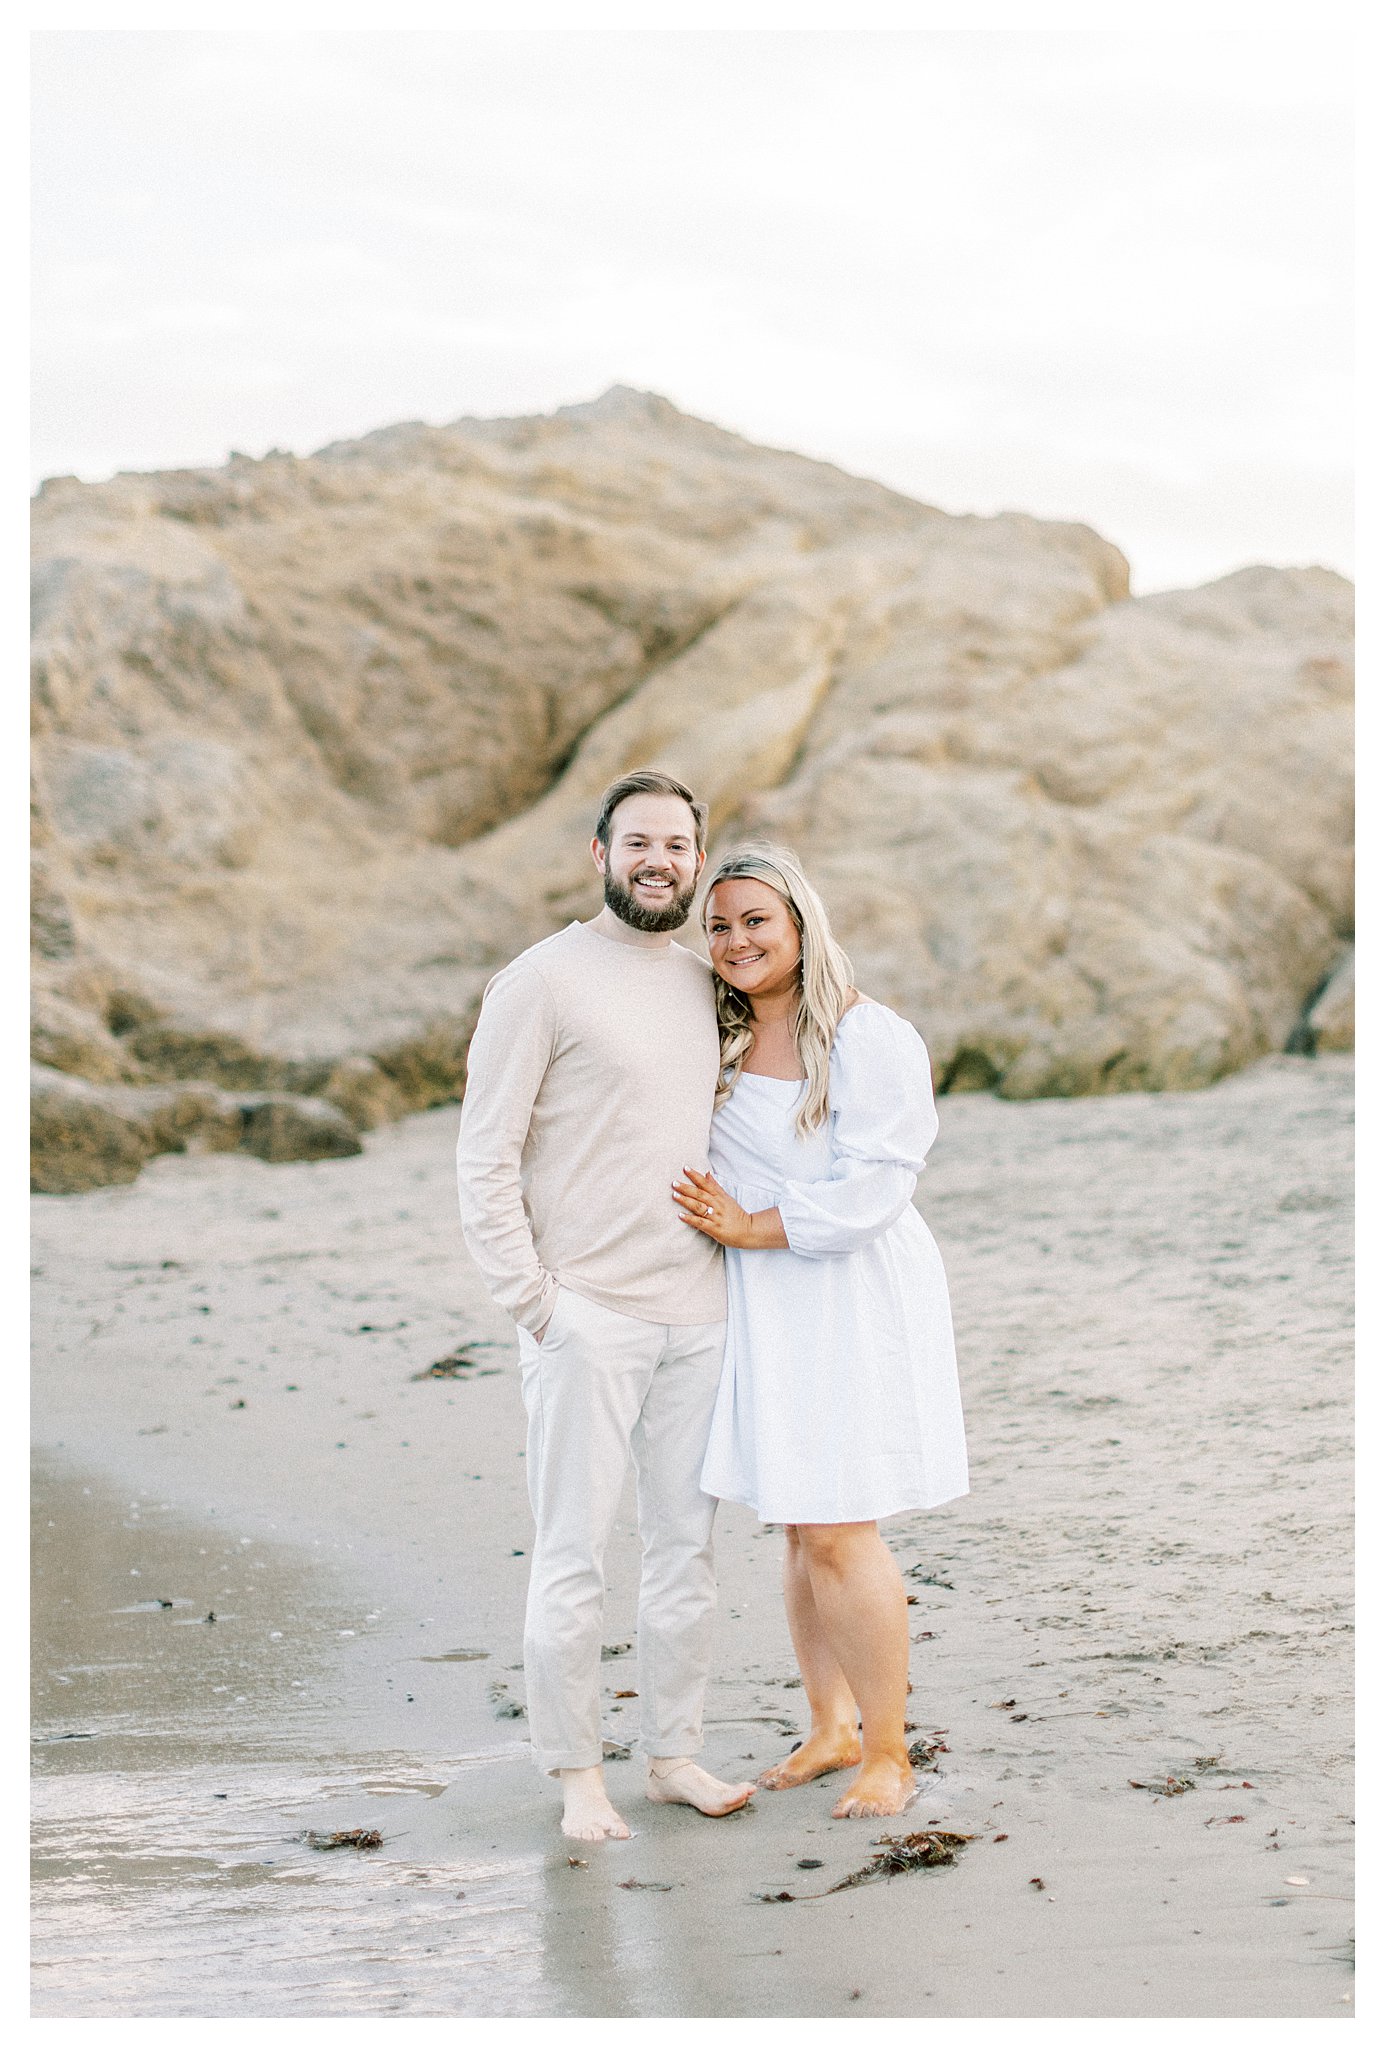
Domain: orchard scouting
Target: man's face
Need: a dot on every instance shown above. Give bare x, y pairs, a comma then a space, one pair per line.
651, 867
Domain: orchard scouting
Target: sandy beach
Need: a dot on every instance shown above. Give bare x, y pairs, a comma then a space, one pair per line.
1149, 1582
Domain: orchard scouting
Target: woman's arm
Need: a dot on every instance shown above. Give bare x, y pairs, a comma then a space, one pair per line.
705, 1204
883, 1122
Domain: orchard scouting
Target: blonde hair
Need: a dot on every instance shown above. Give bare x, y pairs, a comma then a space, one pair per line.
825, 989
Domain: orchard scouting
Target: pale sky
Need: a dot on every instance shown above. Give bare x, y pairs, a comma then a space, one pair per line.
1092, 276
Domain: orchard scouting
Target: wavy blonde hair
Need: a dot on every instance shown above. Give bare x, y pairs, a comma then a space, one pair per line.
825, 988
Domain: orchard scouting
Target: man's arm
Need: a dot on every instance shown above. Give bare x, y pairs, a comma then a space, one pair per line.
508, 1058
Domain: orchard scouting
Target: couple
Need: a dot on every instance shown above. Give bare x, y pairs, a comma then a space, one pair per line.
806, 1369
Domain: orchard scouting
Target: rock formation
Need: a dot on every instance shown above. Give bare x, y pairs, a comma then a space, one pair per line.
318, 741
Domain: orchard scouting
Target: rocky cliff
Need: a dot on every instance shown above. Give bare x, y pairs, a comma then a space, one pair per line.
318, 741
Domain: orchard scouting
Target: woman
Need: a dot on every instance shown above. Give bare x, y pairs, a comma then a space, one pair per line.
838, 1401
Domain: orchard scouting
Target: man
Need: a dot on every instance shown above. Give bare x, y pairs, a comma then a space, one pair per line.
590, 1083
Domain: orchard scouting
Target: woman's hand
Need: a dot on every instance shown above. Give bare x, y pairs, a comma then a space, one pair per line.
705, 1204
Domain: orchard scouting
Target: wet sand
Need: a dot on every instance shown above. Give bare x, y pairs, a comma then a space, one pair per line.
1148, 1581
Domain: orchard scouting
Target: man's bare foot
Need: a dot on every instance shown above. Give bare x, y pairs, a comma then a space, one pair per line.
879, 1787
678, 1781
828, 1749
588, 1815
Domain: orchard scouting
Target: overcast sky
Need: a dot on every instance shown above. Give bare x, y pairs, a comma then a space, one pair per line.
1092, 276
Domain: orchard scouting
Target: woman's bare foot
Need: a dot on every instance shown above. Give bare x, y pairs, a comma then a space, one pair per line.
588, 1815
880, 1787
678, 1781
828, 1749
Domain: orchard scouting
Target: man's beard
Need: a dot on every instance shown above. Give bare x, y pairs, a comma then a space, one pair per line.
642, 917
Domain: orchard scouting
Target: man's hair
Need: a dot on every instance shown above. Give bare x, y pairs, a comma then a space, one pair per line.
649, 782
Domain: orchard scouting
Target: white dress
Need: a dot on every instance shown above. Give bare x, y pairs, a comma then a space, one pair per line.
838, 1399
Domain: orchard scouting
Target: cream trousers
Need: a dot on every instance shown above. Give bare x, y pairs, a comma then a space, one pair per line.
598, 1388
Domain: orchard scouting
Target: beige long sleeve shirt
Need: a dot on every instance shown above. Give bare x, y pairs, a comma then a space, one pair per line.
590, 1083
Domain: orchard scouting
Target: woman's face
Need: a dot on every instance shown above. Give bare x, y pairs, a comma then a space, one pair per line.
752, 938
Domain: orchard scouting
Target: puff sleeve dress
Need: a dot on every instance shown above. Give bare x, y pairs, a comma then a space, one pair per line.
839, 1399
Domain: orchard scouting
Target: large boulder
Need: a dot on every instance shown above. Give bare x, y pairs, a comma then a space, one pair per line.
1332, 1017
1123, 868
318, 744
88, 1134
279, 1127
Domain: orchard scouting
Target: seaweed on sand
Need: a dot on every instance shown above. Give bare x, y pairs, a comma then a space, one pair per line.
460, 1364
894, 1855
924, 1753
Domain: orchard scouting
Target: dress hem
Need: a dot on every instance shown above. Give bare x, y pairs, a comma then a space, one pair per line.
908, 1507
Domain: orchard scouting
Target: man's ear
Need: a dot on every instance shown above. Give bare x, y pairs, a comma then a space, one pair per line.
599, 856
702, 860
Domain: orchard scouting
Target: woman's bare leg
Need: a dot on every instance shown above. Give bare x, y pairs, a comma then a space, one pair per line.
861, 1608
832, 1741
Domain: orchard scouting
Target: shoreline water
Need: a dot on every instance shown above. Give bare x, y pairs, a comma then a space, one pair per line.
1152, 1297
